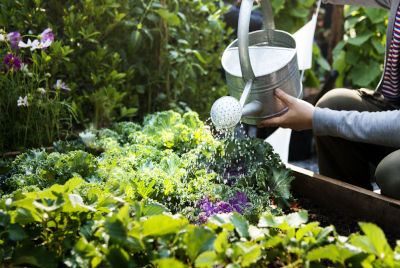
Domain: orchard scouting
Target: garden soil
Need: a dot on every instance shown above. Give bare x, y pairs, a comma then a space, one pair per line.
344, 224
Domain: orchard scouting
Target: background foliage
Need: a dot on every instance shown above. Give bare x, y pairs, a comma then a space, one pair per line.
359, 58
132, 57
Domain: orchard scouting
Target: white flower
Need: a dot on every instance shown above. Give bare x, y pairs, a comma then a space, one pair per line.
61, 85
27, 44
2, 37
36, 44
24, 69
23, 101
42, 90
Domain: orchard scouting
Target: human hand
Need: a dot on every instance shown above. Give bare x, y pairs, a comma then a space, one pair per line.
298, 117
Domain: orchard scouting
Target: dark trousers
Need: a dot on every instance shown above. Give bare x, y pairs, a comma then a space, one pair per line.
356, 162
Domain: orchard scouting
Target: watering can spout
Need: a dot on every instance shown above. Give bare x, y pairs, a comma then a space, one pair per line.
253, 108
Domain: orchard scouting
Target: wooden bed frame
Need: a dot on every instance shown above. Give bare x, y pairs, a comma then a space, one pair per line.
348, 199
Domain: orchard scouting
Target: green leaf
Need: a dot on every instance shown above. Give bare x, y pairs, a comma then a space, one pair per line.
323, 63
206, 259
359, 40
297, 219
221, 243
323, 234
304, 230
169, 17
16, 232
170, 262
196, 240
248, 252
364, 78
241, 225
221, 220
153, 209
117, 257
115, 228
376, 15
161, 225
379, 47
375, 241
332, 252
36, 256
4, 218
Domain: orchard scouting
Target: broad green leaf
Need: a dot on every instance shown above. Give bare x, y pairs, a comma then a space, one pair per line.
364, 78
323, 63
376, 15
374, 242
221, 243
76, 204
117, 257
169, 17
297, 219
24, 216
196, 240
380, 48
16, 232
115, 228
153, 209
270, 220
359, 40
4, 218
257, 234
169, 263
323, 234
304, 230
332, 252
246, 252
273, 241
206, 259
221, 220
240, 223
35, 256
161, 225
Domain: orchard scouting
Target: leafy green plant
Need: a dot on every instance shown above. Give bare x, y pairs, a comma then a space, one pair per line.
143, 199
362, 48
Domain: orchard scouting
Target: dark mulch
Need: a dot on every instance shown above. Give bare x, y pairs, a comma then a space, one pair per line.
344, 224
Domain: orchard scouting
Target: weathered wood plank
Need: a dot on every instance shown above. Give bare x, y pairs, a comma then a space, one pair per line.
348, 199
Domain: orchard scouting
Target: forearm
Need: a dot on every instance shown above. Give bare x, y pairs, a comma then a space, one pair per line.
382, 128
369, 3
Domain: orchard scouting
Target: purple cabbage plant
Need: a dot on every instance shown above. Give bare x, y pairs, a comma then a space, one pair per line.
210, 207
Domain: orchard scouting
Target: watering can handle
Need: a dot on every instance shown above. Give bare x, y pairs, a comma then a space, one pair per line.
243, 39
243, 33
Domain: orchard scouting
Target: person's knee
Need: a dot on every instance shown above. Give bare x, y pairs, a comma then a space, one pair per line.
338, 99
387, 175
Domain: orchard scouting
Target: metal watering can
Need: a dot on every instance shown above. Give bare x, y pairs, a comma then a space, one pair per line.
255, 65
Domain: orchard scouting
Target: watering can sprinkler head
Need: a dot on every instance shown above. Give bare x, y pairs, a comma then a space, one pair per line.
227, 111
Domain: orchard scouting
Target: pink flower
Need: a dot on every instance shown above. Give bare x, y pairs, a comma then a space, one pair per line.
11, 61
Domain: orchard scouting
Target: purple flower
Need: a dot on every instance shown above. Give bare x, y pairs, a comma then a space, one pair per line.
46, 35
14, 38
11, 61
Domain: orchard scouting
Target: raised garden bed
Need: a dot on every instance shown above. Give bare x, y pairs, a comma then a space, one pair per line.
343, 205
